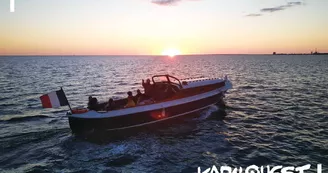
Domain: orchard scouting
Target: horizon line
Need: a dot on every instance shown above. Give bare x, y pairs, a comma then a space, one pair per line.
141, 54
71, 55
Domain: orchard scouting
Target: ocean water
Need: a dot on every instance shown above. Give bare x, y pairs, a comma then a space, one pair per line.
277, 114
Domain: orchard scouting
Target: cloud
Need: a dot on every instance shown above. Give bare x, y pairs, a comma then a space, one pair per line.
165, 2
295, 3
281, 7
253, 15
168, 2
275, 9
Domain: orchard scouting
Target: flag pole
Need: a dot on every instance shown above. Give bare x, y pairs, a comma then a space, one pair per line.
66, 99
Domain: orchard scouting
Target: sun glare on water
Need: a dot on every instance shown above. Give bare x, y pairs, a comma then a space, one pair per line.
171, 52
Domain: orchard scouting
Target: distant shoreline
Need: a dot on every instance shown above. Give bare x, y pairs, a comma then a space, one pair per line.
300, 54
312, 53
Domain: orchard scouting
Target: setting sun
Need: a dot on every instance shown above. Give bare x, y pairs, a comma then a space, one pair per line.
171, 52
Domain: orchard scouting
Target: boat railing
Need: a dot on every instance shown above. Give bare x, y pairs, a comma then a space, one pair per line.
193, 78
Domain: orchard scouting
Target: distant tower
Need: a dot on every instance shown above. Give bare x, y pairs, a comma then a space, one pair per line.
316, 51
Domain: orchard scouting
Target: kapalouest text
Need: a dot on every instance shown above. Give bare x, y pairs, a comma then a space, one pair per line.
261, 169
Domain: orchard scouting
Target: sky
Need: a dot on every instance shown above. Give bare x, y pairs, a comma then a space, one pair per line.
154, 27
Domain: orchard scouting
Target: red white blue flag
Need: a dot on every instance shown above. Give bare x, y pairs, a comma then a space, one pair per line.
54, 99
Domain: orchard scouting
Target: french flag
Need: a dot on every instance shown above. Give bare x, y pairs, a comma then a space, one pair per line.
54, 99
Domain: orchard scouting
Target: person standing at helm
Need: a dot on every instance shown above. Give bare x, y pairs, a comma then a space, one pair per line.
147, 87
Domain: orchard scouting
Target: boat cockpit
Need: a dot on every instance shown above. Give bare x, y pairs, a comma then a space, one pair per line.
164, 87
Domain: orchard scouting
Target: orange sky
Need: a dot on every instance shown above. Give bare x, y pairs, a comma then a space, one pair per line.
146, 27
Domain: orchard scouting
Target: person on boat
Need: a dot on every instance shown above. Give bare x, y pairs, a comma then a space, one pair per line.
93, 103
147, 87
130, 100
110, 105
144, 100
136, 97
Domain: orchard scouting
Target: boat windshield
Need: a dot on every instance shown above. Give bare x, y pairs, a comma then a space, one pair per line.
174, 80
159, 79
166, 79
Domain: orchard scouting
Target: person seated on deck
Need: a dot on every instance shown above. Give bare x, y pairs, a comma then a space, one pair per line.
136, 97
110, 105
147, 87
93, 103
130, 102
144, 100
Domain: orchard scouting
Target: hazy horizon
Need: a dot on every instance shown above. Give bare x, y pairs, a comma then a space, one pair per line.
159, 54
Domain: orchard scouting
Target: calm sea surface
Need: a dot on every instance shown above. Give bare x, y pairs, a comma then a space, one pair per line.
277, 114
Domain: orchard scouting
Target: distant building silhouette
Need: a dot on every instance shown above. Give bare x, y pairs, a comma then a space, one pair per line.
312, 53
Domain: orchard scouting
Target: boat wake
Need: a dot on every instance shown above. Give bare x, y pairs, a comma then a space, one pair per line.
25, 118
205, 114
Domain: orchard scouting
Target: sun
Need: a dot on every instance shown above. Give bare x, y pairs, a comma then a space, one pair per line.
171, 52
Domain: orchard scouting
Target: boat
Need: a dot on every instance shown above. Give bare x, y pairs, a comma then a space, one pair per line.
190, 96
